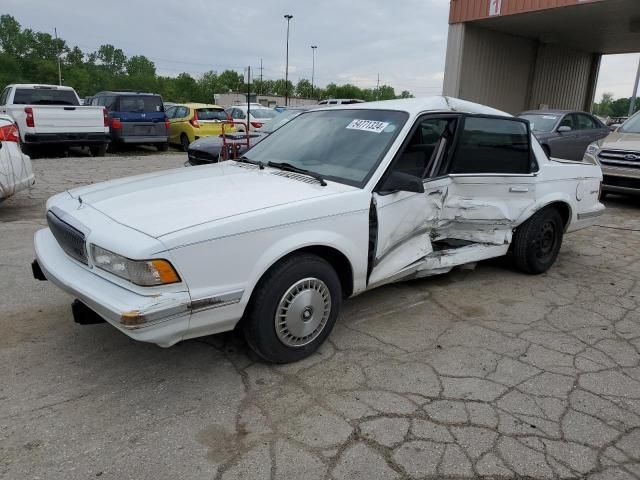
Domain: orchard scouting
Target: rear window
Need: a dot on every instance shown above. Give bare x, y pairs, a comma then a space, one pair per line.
141, 104
211, 114
45, 96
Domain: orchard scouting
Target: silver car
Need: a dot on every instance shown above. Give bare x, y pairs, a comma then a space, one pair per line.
564, 133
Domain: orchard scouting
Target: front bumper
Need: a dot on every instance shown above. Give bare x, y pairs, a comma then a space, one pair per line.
166, 316
69, 139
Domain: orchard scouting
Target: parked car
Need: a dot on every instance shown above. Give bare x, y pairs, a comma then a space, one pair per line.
258, 116
51, 116
16, 172
135, 118
192, 121
208, 150
619, 156
381, 192
340, 101
565, 134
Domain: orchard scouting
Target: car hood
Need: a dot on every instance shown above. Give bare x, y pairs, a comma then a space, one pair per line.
165, 202
622, 141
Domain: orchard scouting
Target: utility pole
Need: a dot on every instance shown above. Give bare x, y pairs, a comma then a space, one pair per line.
632, 104
286, 74
261, 69
248, 100
313, 66
55, 33
378, 88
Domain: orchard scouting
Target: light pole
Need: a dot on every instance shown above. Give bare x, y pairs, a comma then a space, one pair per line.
313, 66
632, 104
286, 72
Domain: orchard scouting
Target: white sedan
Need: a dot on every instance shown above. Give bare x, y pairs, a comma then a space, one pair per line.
16, 172
380, 192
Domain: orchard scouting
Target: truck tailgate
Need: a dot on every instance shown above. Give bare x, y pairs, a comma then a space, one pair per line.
61, 119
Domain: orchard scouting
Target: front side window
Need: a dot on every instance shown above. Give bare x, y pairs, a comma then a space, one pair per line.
492, 145
171, 111
568, 121
341, 145
584, 122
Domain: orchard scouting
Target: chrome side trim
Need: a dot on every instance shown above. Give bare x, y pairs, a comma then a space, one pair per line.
595, 213
215, 301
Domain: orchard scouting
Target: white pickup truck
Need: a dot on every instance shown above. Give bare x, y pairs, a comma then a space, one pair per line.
52, 116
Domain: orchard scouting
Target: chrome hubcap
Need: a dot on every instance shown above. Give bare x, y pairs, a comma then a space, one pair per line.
303, 312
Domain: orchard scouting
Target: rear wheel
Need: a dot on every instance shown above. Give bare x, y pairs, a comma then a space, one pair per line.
113, 147
98, 150
184, 142
293, 309
537, 241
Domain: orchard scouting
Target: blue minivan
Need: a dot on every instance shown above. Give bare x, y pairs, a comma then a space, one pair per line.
135, 118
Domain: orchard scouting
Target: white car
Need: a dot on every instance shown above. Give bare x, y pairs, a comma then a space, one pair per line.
258, 116
380, 192
16, 172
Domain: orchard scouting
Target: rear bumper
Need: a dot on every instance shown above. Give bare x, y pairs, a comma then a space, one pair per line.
135, 139
166, 315
66, 138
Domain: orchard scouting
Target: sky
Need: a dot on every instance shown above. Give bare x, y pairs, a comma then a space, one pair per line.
402, 42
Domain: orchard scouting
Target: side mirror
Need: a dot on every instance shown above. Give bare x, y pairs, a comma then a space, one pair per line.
402, 182
564, 129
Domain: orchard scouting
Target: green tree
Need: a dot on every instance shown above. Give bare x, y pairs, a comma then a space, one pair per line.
303, 88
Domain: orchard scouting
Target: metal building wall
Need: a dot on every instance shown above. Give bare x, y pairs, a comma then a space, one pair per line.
466, 10
495, 69
562, 78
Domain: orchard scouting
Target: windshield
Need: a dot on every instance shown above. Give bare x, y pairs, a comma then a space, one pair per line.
632, 125
280, 120
541, 122
141, 104
45, 96
263, 113
212, 114
341, 145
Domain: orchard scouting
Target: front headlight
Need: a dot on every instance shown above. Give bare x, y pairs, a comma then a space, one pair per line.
146, 273
593, 148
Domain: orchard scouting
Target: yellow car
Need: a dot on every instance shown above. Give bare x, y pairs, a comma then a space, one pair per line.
192, 121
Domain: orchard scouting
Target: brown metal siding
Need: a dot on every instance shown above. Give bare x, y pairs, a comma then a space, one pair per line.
467, 10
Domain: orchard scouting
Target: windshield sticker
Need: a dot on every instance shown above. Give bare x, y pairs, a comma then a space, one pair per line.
368, 125
549, 117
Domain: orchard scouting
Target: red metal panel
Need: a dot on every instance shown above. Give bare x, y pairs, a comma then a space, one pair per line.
468, 10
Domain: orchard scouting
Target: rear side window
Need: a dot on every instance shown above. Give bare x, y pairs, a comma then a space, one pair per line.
45, 96
211, 114
492, 145
141, 104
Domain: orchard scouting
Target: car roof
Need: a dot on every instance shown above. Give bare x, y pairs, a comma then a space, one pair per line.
415, 106
125, 92
198, 105
40, 85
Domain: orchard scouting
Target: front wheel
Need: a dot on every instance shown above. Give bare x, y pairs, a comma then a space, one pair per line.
293, 309
537, 241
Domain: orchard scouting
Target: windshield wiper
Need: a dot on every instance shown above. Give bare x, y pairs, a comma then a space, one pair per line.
292, 168
252, 162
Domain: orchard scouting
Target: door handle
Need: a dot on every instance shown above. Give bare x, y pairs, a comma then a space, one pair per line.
519, 189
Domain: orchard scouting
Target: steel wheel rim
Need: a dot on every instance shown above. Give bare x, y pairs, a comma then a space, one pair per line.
303, 312
546, 240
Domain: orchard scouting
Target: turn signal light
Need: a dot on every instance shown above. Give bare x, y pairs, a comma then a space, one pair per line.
165, 272
116, 124
256, 124
194, 121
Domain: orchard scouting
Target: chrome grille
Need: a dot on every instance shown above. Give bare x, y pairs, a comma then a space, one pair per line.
71, 240
620, 158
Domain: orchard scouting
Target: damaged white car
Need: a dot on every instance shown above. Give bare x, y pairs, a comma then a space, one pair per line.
334, 203
16, 172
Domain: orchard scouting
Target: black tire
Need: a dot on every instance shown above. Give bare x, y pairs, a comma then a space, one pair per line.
163, 147
296, 277
98, 150
537, 241
184, 142
113, 147
547, 150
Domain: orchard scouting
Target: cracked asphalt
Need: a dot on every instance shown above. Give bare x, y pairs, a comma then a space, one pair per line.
484, 373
